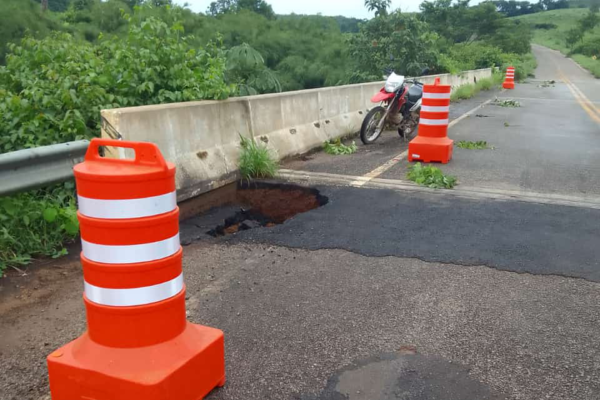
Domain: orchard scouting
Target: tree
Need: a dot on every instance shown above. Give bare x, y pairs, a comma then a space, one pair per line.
589, 21
396, 41
80, 5
246, 68
54, 5
573, 37
258, 6
459, 22
379, 6
221, 7
160, 3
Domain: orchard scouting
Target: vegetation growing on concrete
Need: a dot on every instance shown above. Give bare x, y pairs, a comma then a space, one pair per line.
337, 148
256, 160
430, 176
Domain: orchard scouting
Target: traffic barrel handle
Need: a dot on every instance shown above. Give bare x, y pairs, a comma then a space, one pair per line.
145, 153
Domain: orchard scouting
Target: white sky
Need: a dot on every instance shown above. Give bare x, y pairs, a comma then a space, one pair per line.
348, 8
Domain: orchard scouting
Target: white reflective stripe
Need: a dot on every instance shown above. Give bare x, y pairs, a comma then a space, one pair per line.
130, 254
125, 209
424, 121
427, 95
435, 108
134, 297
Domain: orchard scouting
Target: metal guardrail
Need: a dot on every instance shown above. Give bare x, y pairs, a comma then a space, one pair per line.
32, 168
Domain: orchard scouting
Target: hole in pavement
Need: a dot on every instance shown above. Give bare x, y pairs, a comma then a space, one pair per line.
266, 205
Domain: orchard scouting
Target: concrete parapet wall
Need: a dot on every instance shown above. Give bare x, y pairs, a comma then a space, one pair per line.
202, 138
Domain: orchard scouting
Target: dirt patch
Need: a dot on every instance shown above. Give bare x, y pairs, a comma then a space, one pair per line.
266, 205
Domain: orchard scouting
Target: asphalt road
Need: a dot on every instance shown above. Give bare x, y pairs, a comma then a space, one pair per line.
387, 295
317, 325
507, 235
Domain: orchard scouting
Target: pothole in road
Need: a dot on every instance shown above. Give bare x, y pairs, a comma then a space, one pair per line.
267, 205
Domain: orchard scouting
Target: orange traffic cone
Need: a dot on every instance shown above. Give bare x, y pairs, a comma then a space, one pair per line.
138, 344
509, 81
432, 143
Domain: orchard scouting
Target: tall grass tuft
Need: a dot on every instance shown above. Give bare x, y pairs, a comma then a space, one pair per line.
256, 160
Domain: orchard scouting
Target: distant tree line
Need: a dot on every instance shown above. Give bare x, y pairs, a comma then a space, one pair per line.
512, 8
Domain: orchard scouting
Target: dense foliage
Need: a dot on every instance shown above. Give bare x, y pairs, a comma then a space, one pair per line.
302, 52
52, 91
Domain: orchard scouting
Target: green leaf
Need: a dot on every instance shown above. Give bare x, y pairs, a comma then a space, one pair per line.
9, 206
72, 228
50, 214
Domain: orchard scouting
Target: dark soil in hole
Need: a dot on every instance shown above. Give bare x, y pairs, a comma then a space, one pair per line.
266, 205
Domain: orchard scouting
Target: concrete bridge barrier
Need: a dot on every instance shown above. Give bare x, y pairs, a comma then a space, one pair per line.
203, 138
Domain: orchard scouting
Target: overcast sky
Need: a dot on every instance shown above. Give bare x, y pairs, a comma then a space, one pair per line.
348, 8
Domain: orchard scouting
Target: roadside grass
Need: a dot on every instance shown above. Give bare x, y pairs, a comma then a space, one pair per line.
480, 145
430, 176
469, 90
588, 63
337, 148
550, 30
256, 160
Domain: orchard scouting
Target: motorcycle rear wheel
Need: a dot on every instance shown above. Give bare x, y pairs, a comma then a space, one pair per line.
370, 130
408, 129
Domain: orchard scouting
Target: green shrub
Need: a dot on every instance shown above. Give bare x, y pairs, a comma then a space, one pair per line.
37, 223
256, 160
590, 46
524, 64
430, 176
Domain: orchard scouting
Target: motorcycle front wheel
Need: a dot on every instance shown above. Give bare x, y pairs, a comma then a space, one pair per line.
372, 126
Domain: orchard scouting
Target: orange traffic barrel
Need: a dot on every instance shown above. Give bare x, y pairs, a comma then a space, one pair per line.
509, 81
138, 344
432, 143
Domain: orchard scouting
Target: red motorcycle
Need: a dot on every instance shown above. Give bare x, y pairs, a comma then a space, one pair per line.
400, 107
